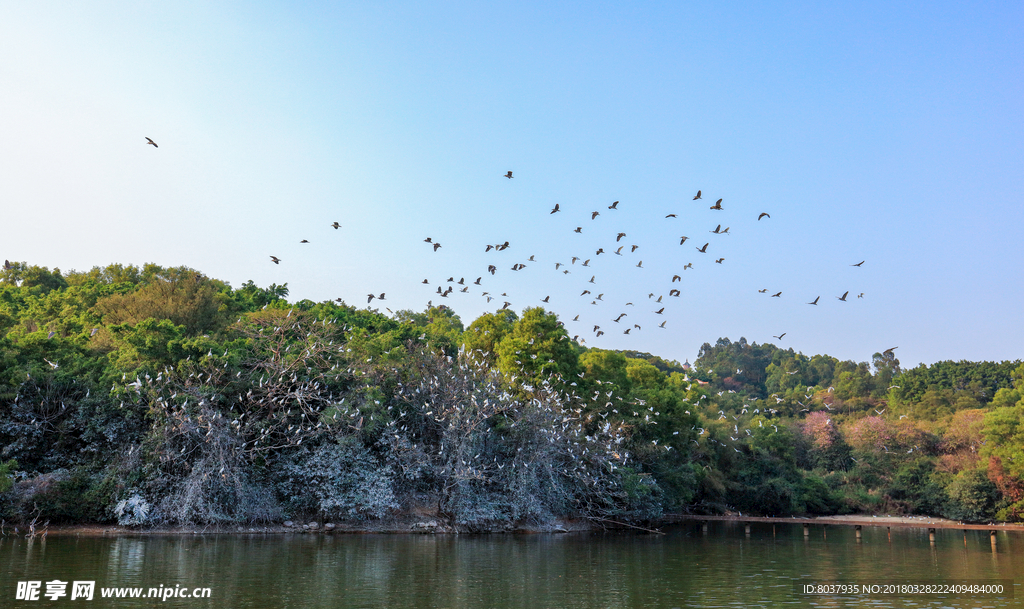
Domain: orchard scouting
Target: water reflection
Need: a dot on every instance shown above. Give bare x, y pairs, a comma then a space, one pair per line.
724, 567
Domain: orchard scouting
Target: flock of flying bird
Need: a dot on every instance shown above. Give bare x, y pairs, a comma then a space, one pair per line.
582, 263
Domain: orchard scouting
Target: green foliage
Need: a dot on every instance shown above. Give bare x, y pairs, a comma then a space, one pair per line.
972, 497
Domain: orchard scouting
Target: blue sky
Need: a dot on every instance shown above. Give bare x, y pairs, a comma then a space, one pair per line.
890, 134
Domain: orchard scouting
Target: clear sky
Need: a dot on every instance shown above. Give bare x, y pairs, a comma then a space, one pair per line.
889, 134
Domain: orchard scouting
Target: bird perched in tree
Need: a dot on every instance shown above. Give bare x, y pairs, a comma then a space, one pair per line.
764, 214
555, 209
151, 143
614, 205
336, 225
7, 265
276, 259
815, 301
698, 196
843, 297
704, 249
717, 205
508, 175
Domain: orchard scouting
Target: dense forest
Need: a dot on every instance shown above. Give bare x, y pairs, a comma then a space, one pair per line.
160, 396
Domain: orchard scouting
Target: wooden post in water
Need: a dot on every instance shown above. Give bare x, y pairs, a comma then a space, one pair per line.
704, 527
965, 539
992, 538
889, 531
857, 529
746, 529
931, 536
807, 530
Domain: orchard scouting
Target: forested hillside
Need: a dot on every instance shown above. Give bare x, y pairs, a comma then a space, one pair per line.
158, 395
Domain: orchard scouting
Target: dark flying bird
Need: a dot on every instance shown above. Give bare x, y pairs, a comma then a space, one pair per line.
619, 236
336, 226
698, 196
815, 301
594, 214
717, 230
717, 205
673, 292
640, 264
303, 241
633, 249
671, 216
618, 252
508, 175
436, 245
614, 205
579, 229
859, 263
682, 240
704, 249
555, 209
621, 315
676, 278
276, 259
889, 350
779, 336
660, 311
149, 141
719, 261
763, 214
843, 297
777, 294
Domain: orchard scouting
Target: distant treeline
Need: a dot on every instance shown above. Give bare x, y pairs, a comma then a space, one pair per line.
158, 395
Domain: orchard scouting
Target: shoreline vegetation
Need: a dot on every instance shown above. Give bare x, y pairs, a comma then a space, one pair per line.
158, 399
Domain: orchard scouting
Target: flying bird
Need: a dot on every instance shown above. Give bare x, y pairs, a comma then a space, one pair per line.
508, 175
719, 261
717, 205
779, 336
614, 205
336, 226
671, 216
777, 294
698, 196
717, 230
594, 214
579, 229
763, 215
640, 264
843, 297
618, 252
673, 292
762, 291
152, 143
619, 236
633, 249
682, 240
304, 241
436, 246
815, 301
859, 263
676, 278
704, 249
555, 209
276, 259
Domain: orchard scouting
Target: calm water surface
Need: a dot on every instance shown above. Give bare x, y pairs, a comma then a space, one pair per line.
685, 568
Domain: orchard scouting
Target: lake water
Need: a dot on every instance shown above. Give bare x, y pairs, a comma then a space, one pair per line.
685, 568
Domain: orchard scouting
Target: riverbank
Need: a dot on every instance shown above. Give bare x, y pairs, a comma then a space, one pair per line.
433, 526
